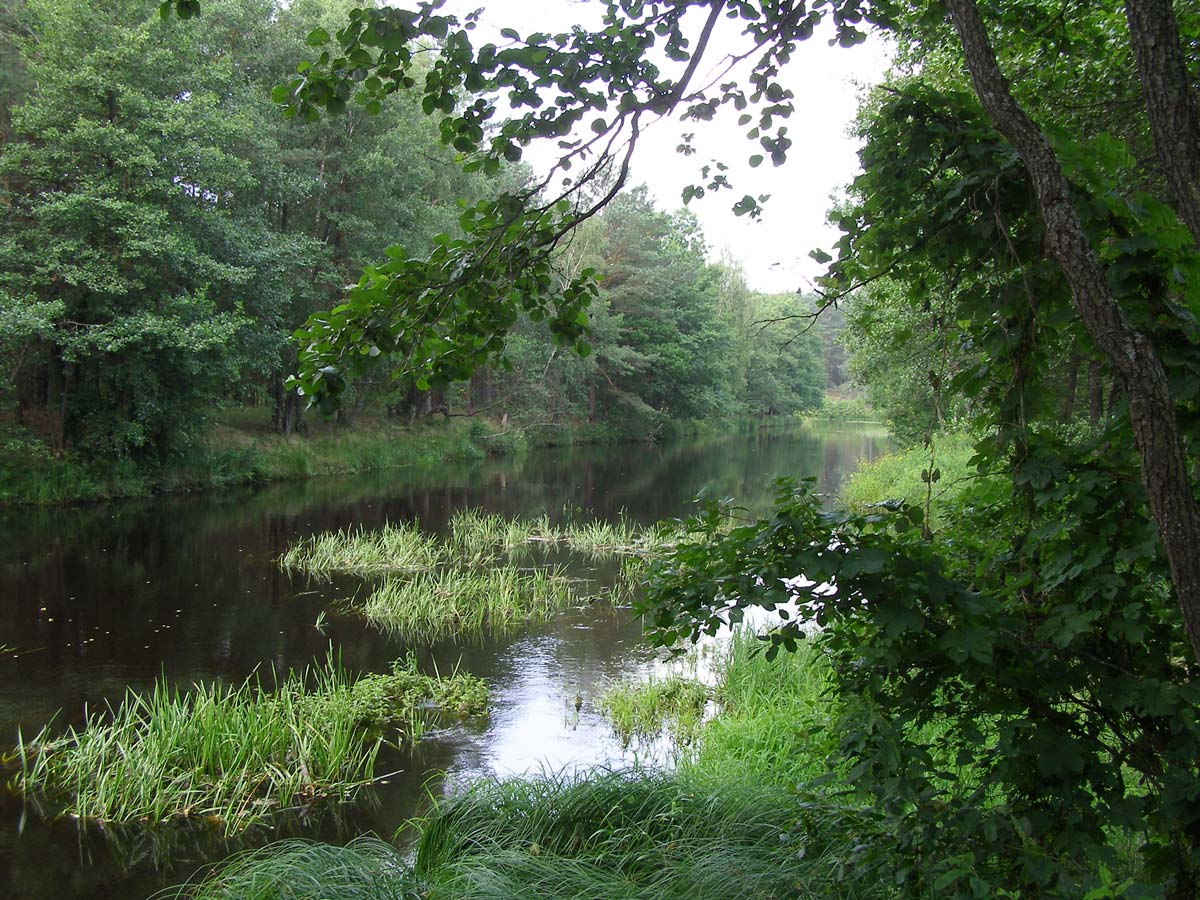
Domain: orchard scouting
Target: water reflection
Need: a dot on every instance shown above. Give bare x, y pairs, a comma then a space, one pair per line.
99, 599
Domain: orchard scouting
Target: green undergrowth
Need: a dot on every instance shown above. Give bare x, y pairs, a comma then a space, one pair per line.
241, 450
902, 475
433, 606
845, 409
647, 709
601, 836
775, 720
236, 755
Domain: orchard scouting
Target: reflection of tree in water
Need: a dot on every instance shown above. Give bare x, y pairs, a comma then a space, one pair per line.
112, 596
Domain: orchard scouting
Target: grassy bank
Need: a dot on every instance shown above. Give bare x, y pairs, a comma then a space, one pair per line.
902, 475
236, 755
609, 836
240, 448
236, 453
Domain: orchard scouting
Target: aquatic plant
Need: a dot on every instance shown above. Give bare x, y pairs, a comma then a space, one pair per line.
399, 546
235, 755
453, 602
645, 709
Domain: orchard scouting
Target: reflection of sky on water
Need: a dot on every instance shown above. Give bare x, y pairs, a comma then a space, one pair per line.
107, 597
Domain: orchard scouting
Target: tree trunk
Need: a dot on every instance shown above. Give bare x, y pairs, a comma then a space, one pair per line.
1095, 393
285, 417
1162, 69
1131, 354
1068, 408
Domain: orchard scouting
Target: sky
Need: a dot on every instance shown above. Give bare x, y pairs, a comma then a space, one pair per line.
827, 82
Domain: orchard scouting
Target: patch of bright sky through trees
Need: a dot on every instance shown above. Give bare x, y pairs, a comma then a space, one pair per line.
827, 82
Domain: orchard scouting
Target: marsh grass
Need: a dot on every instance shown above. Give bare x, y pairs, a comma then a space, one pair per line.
598, 836
646, 710
455, 602
396, 547
474, 538
235, 755
478, 535
898, 475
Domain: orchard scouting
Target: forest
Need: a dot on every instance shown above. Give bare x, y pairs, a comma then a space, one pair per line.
167, 230
963, 664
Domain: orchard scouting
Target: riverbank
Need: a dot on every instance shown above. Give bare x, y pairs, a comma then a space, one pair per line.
242, 449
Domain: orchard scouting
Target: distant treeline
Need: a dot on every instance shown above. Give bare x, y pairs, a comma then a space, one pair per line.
166, 230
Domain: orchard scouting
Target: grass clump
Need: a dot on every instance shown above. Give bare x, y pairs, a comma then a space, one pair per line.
400, 546
775, 718
234, 755
476, 535
442, 604
645, 710
600, 836
365, 869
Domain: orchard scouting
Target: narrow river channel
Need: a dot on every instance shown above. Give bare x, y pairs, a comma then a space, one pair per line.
99, 599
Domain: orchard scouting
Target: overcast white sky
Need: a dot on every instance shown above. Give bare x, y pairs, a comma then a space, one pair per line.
827, 82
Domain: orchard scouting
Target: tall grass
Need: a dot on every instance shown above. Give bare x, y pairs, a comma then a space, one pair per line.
396, 547
365, 869
775, 719
475, 534
234, 755
603, 836
899, 475
648, 709
452, 602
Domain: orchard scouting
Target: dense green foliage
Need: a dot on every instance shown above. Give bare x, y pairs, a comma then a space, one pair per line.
166, 230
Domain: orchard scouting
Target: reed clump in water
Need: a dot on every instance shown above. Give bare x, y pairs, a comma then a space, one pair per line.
646, 709
395, 547
235, 755
473, 538
456, 602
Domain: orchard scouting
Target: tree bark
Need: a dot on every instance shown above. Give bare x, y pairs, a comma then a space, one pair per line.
1131, 354
1095, 393
1162, 69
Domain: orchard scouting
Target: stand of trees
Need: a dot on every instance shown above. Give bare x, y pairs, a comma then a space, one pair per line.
166, 231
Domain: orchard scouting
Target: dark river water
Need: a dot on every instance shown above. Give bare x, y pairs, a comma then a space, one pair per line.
103, 598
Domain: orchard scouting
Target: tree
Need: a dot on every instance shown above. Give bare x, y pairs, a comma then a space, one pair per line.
372, 58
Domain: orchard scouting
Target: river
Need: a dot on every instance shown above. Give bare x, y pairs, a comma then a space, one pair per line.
99, 599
